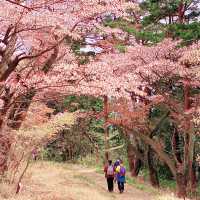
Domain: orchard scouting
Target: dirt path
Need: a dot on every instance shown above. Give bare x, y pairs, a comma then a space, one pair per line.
99, 182
50, 181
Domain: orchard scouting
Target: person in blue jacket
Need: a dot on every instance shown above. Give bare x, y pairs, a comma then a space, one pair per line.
120, 176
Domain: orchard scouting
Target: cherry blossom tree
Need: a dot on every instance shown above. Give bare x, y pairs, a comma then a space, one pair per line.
145, 76
32, 42
162, 68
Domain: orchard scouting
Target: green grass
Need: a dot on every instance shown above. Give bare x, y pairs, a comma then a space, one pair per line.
144, 173
198, 191
121, 48
89, 161
99, 169
168, 184
141, 186
122, 24
148, 36
195, 195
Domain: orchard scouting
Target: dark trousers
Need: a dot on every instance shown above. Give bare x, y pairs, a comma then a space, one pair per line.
110, 183
120, 186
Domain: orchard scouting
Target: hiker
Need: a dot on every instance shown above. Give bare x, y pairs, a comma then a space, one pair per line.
120, 176
117, 163
109, 174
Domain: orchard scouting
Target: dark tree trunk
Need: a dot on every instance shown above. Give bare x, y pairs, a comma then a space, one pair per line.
5, 139
193, 178
181, 12
4, 151
20, 108
14, 121
198, 173
176, 145
7, 99
137, 164
134, 162
152, 171
106, 134
181, 182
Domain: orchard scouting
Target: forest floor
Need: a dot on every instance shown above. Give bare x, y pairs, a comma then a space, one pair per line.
54, 181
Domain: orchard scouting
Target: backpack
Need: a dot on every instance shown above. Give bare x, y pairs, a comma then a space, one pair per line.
110, 170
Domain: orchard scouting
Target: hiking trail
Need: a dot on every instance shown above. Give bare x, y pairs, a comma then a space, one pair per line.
54, 181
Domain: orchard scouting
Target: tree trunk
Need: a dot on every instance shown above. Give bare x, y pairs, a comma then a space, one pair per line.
97, 153
181, 184
5, 142
19, 110
106, 128
152, 171
12, 117
7, 97
176, 145
192, 168
134, 162
137, 164
181, 12
193, 178
198, 174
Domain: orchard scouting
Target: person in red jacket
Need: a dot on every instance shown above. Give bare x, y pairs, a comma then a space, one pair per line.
109, 174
